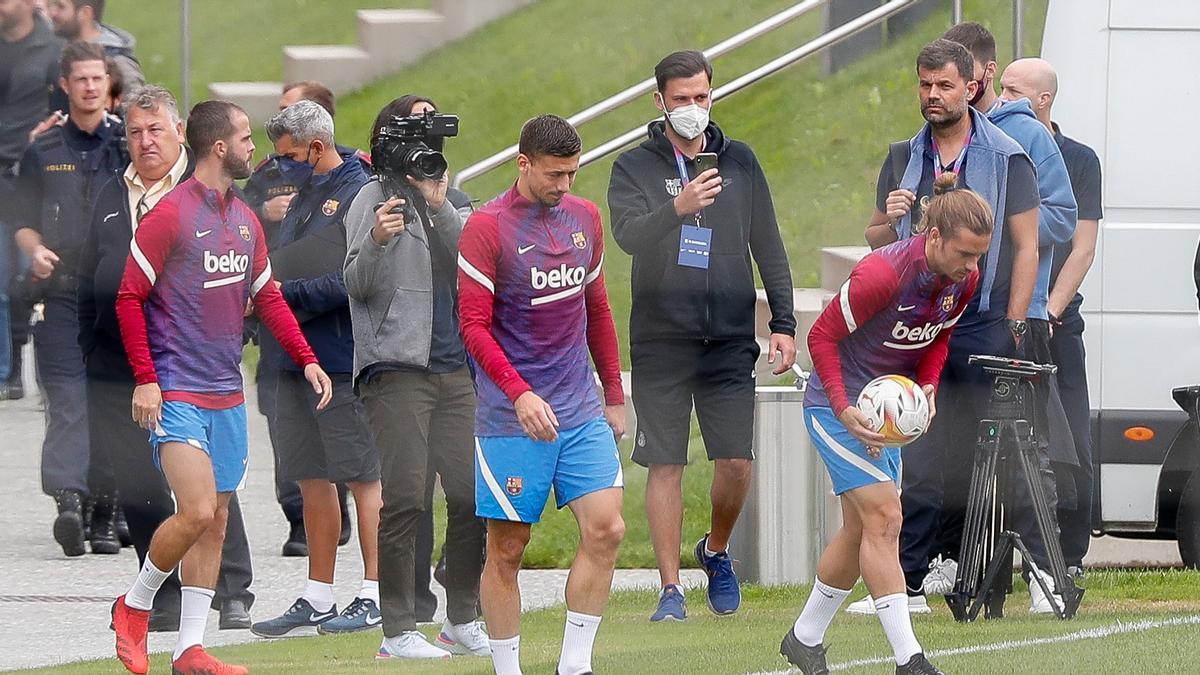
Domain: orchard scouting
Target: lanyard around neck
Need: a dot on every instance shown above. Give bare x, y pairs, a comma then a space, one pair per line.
937, 157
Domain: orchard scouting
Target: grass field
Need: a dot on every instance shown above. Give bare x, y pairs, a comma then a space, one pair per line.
1130, 623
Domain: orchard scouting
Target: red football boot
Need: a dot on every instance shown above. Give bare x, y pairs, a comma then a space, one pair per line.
195, 661
131, 625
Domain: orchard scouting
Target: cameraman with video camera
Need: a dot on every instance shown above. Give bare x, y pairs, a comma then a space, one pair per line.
410, 369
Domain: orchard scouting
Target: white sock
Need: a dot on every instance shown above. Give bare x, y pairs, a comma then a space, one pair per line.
149, 580
897, 625
506, 656
319, 594
369, 590
822, 606
194, 603
578, 637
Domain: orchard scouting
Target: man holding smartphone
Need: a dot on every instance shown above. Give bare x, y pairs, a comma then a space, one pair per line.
692, 206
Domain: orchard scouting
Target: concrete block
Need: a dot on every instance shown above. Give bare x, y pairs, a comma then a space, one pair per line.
259, 99
395, 38
342, 68
807, 304
836, 263
464, 16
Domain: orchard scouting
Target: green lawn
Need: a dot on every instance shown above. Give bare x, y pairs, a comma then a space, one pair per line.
749, 641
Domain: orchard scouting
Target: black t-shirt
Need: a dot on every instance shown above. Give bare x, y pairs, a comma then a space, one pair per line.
1083, 167
1022, 196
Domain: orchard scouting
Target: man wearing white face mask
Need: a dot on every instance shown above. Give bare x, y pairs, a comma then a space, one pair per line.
692, 230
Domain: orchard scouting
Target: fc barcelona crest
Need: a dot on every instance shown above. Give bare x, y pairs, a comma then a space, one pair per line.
579, 240
514, 486
674, 186
244, 230
330, 207
948, 302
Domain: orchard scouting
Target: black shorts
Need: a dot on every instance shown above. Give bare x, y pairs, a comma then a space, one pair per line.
333, 444
716, 375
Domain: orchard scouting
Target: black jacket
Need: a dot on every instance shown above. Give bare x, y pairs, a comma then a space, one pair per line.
26, 100
102, 264
671, 301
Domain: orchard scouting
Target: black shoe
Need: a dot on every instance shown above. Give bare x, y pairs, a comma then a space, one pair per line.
122, 527
234, 615
68, 526
810, 660
344, 537
102, 535
15, 387
918, 665
296, 545
439, 570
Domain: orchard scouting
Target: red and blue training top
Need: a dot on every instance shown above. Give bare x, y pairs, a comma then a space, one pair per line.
893, 316
195, 260
532, 304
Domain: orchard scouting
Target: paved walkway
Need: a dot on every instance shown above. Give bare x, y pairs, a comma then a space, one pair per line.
71, 596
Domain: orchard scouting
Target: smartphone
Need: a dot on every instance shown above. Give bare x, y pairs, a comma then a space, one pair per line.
705, 161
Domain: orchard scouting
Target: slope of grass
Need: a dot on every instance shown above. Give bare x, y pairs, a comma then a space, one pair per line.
749, 641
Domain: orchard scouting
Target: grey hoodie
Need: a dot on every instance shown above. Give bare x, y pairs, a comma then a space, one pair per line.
118, 45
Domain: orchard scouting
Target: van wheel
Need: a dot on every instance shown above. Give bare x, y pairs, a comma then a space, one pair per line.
1188, 524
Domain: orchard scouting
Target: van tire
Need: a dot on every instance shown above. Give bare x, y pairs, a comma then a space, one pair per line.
1188, 523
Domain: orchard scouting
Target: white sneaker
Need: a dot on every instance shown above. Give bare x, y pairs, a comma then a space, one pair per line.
942, 574
409, 645
917, 604
465, 638
1038, 602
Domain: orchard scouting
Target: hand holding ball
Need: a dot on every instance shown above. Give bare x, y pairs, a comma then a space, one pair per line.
895, 407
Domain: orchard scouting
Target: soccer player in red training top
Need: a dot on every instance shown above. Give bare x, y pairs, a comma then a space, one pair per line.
197, 262
894, 315
532, 305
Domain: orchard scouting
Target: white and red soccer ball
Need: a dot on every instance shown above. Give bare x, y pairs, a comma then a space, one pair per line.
896, 407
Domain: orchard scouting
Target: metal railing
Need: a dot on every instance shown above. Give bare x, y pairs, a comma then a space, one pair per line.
827, 39
646, 86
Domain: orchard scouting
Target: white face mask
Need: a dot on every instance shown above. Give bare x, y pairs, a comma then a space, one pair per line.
688, 121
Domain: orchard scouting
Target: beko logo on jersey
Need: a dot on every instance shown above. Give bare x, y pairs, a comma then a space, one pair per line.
924, 333
226, 263
560, 277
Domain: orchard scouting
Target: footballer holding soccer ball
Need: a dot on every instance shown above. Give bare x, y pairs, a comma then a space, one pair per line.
885, 332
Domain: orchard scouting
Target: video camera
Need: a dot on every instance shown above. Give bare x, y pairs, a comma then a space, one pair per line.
411, 146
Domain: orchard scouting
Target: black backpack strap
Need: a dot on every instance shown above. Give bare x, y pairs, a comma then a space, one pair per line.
898, 155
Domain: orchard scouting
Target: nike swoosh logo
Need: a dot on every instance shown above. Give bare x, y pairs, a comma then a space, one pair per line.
522, 250
902, 308
879, 607
577, 625
374, 621
828, 595
318, 618
205, 233
110, 216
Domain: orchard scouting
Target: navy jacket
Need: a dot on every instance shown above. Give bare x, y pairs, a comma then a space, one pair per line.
320, 204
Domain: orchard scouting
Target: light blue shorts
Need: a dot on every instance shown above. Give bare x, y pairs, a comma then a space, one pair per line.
845, 456
219, 433
514, 474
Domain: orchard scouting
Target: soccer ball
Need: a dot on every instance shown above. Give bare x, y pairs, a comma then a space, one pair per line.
896, 407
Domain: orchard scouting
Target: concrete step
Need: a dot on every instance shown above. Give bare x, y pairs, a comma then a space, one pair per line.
342, 68
397, 37
836, 263
464, 16
260, 99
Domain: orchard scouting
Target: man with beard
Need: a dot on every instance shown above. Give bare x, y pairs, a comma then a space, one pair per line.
81, 20
196, 263
957, 138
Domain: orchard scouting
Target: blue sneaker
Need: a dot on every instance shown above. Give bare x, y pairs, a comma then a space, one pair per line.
300, 619
672, 606
362, 614
724, 596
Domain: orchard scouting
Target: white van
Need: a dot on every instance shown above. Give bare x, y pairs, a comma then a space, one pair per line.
1128, 87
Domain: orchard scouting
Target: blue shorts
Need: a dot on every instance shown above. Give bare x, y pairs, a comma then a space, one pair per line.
219, 433
845, 456
513, 474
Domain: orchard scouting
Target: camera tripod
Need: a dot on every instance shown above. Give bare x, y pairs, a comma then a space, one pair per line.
1006, 441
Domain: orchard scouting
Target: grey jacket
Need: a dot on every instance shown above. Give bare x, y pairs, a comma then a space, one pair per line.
391, 286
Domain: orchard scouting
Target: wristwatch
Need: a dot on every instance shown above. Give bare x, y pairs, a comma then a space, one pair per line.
1018, 327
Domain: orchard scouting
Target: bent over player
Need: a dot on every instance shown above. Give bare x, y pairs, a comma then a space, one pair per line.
894, 315
197, 262
532, 305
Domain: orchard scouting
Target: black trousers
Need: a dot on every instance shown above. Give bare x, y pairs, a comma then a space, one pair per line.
287, 492
1068, 349
142, 490
425, 422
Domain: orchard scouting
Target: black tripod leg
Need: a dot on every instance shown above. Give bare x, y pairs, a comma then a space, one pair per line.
974, 538
1004, 548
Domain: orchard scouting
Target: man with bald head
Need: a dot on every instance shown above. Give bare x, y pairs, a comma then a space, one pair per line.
1034, 79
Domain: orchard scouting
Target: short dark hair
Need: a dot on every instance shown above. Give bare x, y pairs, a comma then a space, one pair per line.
942, 52
96, 5
399, 107
78, 52
681, 64
977, 39
549, 135
314, 91
209, 122
116, 81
